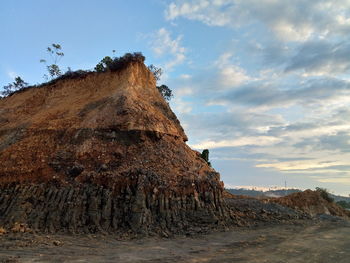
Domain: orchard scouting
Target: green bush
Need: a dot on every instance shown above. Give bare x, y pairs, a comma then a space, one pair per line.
205, 156
104, 64
157, 72
122, 62
325, 194
18, 84
117, 63
165, 92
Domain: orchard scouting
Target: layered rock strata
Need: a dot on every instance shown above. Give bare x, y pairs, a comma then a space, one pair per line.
102, 153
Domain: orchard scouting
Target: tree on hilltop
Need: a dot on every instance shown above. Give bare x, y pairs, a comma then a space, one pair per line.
104, 64
55, 52
18, 84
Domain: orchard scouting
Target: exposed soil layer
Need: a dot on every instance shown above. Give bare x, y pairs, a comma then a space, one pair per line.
325, 241
103, 153
102, 124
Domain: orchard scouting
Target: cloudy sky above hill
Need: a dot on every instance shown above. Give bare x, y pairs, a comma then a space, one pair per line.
264, 84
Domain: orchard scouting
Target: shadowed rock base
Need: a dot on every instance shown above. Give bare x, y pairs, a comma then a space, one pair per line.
140, 208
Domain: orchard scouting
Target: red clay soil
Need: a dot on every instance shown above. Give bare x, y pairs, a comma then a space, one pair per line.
312, 203
91, 123
101, 152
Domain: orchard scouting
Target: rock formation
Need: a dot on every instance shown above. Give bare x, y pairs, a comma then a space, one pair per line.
102, 152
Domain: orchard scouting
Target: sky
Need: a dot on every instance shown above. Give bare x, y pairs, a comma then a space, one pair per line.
263, 84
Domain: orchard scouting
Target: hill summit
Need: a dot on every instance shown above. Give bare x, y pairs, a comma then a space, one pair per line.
102, 152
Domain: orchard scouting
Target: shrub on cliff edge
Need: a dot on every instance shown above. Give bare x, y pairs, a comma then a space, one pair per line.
18, 84
325, 194
164, 90
118, 63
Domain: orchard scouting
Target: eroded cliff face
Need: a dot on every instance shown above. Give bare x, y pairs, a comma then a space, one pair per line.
102, 152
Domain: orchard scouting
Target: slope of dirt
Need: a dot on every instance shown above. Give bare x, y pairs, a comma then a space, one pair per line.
89, 121
102, 153
312, 203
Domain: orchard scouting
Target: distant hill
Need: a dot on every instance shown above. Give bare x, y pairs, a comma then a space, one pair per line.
258, 193
338, 198
277, 193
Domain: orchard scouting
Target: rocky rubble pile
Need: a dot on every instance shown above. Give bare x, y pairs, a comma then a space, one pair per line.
251, 211
312, 203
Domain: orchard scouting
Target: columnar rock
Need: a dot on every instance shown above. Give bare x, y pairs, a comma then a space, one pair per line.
102, 152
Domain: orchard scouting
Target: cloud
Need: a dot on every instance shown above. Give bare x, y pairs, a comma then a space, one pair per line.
311, 92
230, 75
185, 76
273, 140
163, 45
222, 75
199, 10
278, 95
339, 180
297, 20
321, 58
230, 132
242, 141
180, 105
340, 141
300, 165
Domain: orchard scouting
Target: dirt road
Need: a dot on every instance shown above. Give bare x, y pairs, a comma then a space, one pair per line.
317, 242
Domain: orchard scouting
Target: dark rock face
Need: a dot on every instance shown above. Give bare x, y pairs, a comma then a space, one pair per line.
11, 136
91, 208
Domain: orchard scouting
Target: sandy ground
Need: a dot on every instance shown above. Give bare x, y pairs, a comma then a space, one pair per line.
306, 241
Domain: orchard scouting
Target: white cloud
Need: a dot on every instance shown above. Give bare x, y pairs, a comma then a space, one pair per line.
199, 10
301, 165
242, 141
285, 55
164, 46
290, 32
183, 91
181, 106
311, 94
230, 75
185, 76
297, 20
338, 180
